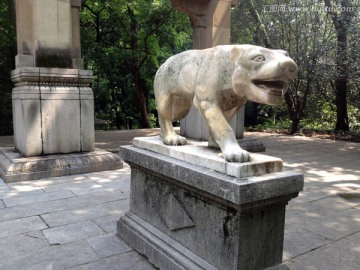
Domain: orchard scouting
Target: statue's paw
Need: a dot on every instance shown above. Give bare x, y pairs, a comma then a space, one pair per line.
237, 155
174, 140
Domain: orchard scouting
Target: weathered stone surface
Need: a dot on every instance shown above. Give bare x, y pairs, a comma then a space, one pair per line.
28, 123
56, 106
15, 167
19, 192
335, 226
299, 241
3, 189
123, 183
124, 261
35, 209
45, 183
20, 245
108, 223
236, 190
173, 214
41, 41
45, 197
196, 152
160, 249
343, 254
108, 245
338, 203
74, 215
76, 184
118, 207
56, 258
72, 232
21, 225
51, 76
185, 216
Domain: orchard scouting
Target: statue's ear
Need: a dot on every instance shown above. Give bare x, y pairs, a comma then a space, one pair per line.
235, 53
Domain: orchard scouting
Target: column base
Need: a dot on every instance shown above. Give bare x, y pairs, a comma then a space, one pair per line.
15, 167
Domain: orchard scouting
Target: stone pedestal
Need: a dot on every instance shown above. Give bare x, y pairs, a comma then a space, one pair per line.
53, 111
184, 215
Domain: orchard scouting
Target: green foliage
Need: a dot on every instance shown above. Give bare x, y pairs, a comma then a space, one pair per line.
7, 59
306, 30
153, 120
323, 122
268, 125
124, 42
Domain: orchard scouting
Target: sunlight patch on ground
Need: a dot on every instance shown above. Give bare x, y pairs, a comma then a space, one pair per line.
348, 185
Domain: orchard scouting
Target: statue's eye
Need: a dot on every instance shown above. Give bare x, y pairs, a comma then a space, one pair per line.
259, 58
287, 54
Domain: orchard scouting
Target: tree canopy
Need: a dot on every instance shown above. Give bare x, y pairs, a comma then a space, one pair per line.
323, 39
124, 42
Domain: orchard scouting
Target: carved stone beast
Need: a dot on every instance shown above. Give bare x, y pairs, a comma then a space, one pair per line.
219, 81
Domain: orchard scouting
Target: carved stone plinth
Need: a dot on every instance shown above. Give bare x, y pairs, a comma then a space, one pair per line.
53, 111
186, 216
15, 167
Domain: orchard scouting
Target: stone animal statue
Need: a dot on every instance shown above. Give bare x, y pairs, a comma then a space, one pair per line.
219, 81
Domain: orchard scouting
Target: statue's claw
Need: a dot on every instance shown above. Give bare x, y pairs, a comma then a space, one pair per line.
237, 155
174, 139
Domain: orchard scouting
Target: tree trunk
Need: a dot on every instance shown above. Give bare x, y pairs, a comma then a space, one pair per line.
341, 22
142, 96
292, 109
342, 120
261, 27
135, 71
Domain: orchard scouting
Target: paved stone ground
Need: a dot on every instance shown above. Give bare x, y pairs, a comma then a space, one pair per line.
69, 222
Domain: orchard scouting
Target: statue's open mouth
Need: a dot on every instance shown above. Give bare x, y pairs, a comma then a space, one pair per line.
273, 87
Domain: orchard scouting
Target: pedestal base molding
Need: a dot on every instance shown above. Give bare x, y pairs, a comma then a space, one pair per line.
15, 167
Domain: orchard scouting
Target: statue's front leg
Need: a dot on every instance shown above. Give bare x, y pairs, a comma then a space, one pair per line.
222, 133
228, 116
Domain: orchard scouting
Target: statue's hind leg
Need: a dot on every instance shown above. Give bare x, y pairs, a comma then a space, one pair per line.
165, 112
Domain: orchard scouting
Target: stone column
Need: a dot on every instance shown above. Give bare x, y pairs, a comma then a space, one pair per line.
77, 61
211, 21
52, 102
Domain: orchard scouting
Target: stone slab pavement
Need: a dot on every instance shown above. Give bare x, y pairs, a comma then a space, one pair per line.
69, 222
